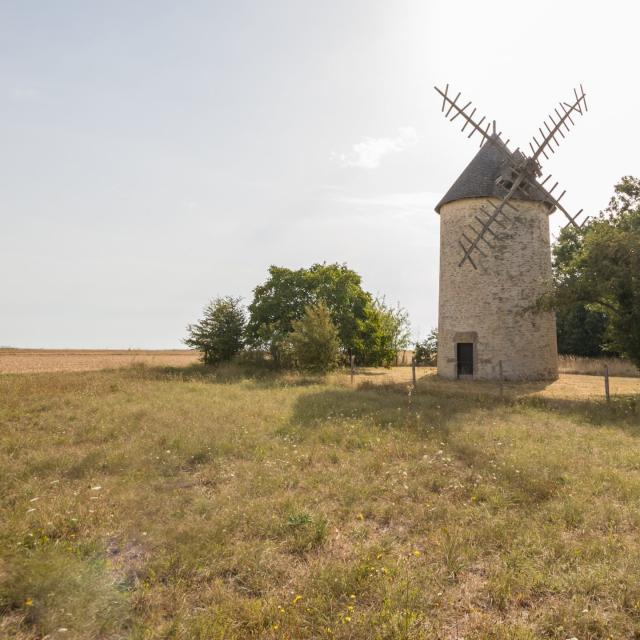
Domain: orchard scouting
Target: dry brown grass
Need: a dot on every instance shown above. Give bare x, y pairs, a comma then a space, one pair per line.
50, 360
159, 503
595, 366
568, 386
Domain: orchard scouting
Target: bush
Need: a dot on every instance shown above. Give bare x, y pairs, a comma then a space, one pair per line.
384, 332
315, 340
367, 327
220, 333
426, 352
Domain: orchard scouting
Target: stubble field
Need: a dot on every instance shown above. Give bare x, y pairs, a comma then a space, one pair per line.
49, 360
151, 502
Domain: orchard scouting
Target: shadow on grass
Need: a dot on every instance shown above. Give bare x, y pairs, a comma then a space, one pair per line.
426, 417
437, 416
436, 401
383, 405
434, 405
622, 412
263, 376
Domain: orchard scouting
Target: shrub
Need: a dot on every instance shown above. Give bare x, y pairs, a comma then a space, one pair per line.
426, 352
367, 327
219, 335
385, 332
315, 340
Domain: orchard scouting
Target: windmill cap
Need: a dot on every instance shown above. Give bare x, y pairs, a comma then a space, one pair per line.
478, 180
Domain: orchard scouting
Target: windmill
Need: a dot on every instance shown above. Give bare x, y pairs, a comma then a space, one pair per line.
495, 230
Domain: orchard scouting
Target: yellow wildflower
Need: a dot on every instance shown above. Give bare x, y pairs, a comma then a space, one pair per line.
28, 602
296, 599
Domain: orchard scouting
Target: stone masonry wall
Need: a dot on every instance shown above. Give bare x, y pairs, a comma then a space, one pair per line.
488, 306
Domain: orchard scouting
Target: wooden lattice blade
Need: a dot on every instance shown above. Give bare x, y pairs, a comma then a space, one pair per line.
453, 110
558, 126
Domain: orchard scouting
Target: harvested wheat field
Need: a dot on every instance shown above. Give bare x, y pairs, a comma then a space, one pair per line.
43, 360
187, 503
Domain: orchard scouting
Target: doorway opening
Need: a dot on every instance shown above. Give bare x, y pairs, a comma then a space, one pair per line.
464, 353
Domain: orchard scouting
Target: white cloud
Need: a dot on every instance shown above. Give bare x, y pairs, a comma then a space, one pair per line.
368, 153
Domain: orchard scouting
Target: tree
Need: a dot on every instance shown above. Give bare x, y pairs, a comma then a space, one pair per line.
598, 266
384, 332
426, 352
315, 340
581, 331
219, 335
366, 328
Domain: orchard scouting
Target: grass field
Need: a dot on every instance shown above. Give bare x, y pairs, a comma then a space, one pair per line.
182, 503
49, 360
595, 366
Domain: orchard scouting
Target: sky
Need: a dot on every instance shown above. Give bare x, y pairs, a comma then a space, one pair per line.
155, 154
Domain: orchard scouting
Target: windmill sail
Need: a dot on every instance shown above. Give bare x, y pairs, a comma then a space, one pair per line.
521, 172
550, 137
486, 128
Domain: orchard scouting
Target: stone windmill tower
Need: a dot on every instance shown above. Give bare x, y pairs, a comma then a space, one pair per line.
495, 257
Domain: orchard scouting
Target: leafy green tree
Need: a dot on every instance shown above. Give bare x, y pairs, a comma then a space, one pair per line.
276, 304
315, 340
426, 351
219, 335
581, 331
383, 332
366, 328
598, 266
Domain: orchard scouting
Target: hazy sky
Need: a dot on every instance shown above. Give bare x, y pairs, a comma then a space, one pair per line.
156, 154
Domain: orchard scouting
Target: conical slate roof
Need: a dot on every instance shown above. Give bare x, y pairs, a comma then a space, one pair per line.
478, 180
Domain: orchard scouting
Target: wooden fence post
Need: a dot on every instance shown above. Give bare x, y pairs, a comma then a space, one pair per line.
352, 359
606, 382
501, 379
413, 370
